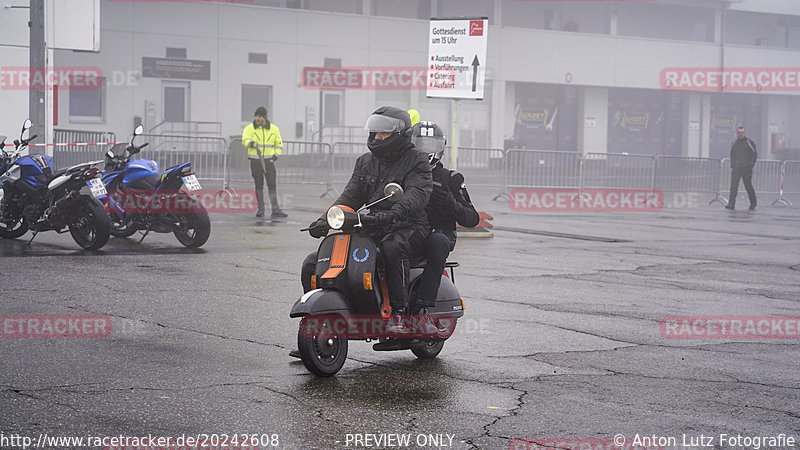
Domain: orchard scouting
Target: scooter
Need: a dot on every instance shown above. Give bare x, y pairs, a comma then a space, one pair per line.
140, 198
34, 197
349, 298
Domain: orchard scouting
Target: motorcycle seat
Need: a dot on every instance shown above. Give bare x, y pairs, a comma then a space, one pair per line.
146, 183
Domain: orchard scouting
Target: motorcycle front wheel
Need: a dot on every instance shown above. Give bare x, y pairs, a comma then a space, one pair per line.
91, 227
323, 352
14, 228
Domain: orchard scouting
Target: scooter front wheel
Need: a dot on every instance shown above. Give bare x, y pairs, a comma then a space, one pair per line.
322, 351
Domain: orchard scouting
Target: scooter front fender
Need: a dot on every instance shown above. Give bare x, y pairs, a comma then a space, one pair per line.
320, 301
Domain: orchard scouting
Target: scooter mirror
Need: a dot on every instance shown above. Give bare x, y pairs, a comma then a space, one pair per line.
27, 125
394, 192
110, 154
139, 130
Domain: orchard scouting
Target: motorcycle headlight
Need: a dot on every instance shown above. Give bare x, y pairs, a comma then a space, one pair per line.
335, 217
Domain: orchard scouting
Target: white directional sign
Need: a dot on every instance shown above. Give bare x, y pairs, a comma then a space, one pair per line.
457, 58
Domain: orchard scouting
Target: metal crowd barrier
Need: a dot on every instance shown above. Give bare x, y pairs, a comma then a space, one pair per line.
767, 179
67, 156
481, 167
687, 174
542, 169
208, 155
301, 162
790, 182
617, 171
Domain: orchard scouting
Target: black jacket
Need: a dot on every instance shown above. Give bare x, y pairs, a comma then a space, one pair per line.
410, 170
442, 217
743, 153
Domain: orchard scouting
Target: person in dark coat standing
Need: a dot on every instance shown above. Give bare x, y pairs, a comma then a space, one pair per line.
743, 159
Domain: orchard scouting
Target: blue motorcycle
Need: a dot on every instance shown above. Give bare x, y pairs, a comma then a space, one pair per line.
34, 197
141, 199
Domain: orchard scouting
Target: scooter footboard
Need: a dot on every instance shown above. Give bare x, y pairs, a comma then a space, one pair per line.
320, 301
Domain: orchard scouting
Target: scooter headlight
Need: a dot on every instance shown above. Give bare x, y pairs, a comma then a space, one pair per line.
335, 217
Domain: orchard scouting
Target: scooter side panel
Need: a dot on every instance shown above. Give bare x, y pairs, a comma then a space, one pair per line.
320, 301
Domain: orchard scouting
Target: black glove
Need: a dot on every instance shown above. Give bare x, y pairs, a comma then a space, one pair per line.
379, 219
253, 144
319, 228
457, 179
443, 198
274, 157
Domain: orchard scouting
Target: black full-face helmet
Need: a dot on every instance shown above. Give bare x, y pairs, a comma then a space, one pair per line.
429, 137
388, 119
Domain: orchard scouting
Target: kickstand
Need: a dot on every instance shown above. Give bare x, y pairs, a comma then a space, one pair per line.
32, 237
144, 235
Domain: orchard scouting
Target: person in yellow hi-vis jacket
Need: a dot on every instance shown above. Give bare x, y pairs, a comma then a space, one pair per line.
262, 140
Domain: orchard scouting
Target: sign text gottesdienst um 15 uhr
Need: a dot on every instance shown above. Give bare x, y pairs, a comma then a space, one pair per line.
457, 58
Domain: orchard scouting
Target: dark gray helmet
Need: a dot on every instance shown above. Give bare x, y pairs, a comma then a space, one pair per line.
429, 137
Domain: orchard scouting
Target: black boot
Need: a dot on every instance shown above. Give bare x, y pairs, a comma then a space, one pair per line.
260, 199
276, 210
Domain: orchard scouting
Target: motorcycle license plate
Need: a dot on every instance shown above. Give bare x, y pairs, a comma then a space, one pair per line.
97, 187
191, 183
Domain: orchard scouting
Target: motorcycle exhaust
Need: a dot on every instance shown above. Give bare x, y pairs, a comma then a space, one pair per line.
60, 203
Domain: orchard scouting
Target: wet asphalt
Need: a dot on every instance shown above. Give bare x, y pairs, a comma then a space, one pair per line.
561, 339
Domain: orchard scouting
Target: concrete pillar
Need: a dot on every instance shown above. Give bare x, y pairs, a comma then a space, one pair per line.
497, 112
692, 125
718, 26
593, 113
705, 126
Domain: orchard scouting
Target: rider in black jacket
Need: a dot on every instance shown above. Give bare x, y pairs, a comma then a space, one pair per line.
449, 203
400, 228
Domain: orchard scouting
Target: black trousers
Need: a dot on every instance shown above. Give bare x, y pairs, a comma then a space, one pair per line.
437, 249
746, 175
258, 173
397, 248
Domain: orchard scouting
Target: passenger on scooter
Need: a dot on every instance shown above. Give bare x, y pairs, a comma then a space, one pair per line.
400, 228
449, 203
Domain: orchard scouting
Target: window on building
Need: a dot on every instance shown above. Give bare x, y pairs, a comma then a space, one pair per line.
748, 28
341, 6
176, 53
466, 8
88, 105
409, 9
673, 22
253, 96
257, 58
564, 16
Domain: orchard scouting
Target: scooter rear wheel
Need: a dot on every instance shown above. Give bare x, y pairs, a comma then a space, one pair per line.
430, 350
322, 355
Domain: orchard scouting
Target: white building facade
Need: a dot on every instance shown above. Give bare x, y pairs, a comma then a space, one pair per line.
671, 77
